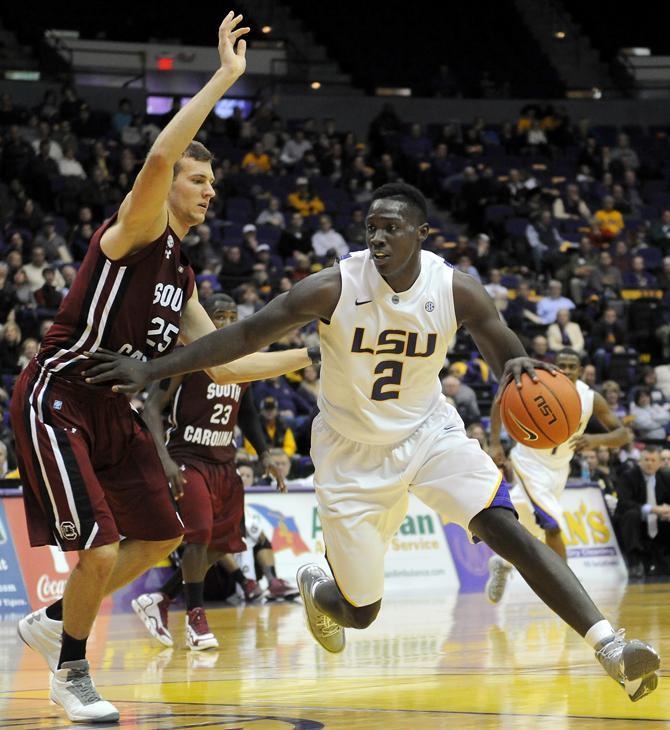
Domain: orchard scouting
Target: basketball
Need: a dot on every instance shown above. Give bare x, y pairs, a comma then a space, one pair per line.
542, 414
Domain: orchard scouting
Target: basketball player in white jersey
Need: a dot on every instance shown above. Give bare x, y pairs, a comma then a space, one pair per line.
541, 474
387, 315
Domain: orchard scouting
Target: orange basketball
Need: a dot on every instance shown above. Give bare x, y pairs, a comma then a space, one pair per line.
543, 414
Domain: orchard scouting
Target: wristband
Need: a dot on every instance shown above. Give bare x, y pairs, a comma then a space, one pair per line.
314, 354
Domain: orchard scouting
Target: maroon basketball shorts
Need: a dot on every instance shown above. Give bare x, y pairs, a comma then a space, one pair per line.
212, 507
89, 466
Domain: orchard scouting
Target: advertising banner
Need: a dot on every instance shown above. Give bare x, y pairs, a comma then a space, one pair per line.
13, 597
417, 561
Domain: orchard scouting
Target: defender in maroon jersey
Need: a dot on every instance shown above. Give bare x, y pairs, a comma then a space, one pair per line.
199, 455
89, 466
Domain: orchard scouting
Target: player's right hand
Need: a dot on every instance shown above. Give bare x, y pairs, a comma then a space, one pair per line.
129, 374
175, 475
233, 60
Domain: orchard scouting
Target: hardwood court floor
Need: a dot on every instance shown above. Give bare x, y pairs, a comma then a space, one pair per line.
452, 662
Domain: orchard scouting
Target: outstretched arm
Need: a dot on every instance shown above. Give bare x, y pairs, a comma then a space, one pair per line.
315, 297
499, 346
143, 214
195, 323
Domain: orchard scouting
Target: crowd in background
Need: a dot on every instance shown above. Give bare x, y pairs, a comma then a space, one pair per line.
566, 225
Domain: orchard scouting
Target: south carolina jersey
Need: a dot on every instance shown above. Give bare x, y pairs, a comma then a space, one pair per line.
203, 418
560, 456
132, 305
383, 350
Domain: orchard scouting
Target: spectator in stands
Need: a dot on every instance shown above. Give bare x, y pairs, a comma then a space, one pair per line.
304, 201
272, 215
415, 145
643, 514
611, 392
10, 348
659, 235
123, 116
464, 264
55, 246
650, 419
477, 431
665, 458
4, 467
70, 166
311, 382
48, 297
590, 376
295, 237
544, 241
355, 231
574, 274
649, 381
632, 191
589, 458
623, 156
605, 280
621, 203
327, 241
570, 205
638, 277
609, 221
43, 171
663, 281
34, 270
463, 398
521, 312
234, 269
29, 348
277, 433
494, 287
564, 333
548, 306
290, 404
539, 349
608, 336
256, 160
294, 149
536, 140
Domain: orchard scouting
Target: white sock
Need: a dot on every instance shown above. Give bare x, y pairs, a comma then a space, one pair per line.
598, 633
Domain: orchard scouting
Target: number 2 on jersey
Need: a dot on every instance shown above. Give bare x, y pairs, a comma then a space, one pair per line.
395, 367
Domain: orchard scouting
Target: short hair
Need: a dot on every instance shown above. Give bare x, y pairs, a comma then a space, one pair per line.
408, 194
569, 351
196, 151
651, 449
640, 392
210, 303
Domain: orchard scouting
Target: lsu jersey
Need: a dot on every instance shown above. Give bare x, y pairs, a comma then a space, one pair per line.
383, 350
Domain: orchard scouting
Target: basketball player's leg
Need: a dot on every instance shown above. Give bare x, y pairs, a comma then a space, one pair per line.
544, 487
541, 567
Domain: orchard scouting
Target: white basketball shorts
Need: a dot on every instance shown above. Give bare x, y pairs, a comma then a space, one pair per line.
362, 492
543, 484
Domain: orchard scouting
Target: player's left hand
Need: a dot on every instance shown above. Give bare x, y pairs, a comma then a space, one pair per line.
517, 366
581, 442
271, 470
129, 373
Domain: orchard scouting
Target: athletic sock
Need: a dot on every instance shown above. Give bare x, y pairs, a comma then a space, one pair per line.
599, 634
195, 595
55, 610
270, 573
72, 649
173, 585
238, 577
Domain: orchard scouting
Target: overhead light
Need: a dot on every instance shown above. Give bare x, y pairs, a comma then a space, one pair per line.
560, 34
266, 29
596, 93
22, 75
316, 85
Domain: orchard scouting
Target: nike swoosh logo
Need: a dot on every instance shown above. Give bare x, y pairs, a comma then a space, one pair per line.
530, 435
367, 301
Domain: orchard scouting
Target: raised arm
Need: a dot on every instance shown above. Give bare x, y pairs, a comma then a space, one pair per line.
499, 346
143, 214
195, 323
315, 297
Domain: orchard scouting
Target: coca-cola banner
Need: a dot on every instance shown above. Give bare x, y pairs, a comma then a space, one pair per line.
13, 598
